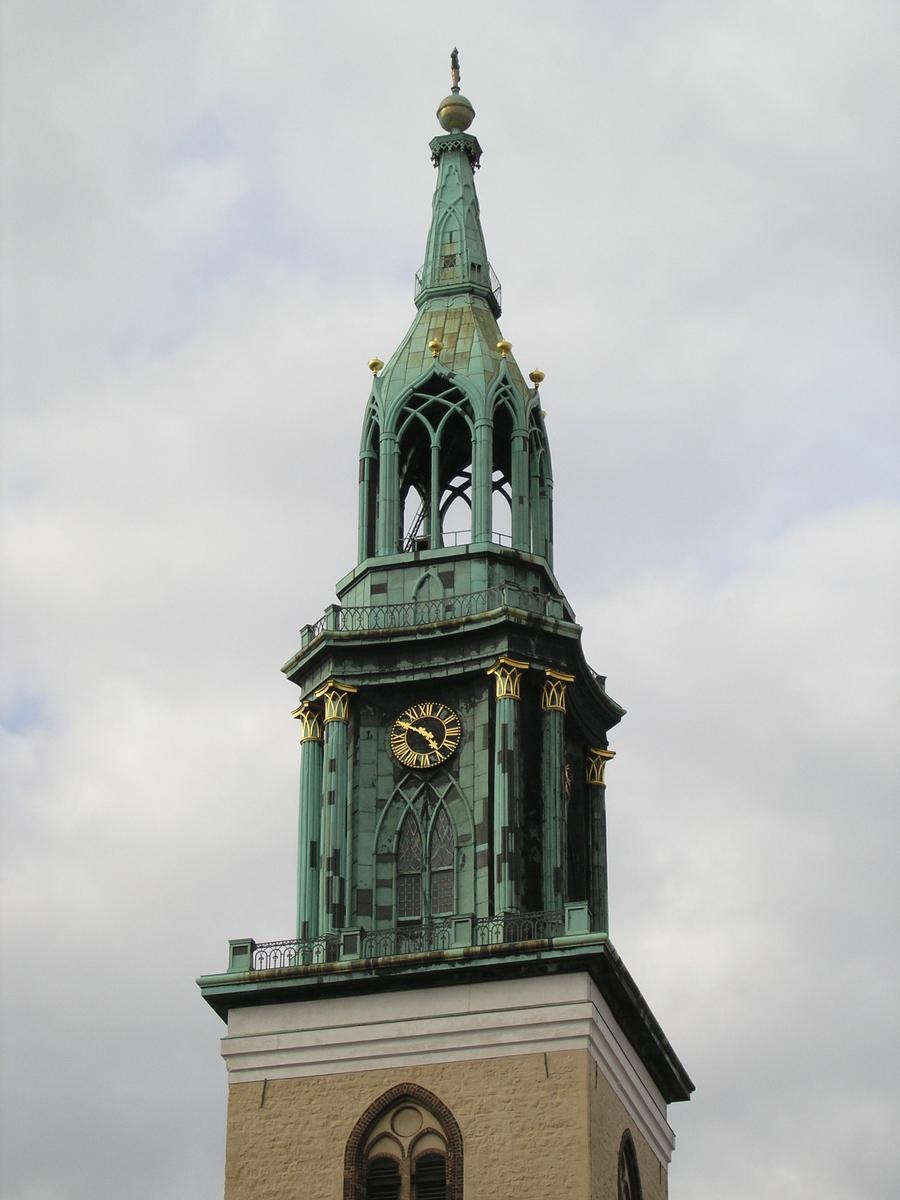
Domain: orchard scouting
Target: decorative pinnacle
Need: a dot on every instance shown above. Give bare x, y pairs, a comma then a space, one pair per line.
537, 377
435, 346
375, 365
504, 347
454, 71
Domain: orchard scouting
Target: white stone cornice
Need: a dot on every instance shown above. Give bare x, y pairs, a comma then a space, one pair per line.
455, 1023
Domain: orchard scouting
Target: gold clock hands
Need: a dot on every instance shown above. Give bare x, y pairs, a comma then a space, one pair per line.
426, 733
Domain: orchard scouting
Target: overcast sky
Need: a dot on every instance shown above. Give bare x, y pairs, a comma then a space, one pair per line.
211, 215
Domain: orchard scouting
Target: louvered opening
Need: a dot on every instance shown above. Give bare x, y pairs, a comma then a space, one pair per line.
382, 1179
430, 1177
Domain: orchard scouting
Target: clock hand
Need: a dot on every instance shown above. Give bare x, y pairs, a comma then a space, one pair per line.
426, 733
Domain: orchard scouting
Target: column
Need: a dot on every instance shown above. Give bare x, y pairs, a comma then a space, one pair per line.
434, 499
519, 487
333, 868
507, 673
310, 820
367, 499
482, 483
388, 496
595, 767
553, 788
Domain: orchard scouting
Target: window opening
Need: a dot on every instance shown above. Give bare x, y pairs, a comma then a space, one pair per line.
409, 870
382, 1179
441, 863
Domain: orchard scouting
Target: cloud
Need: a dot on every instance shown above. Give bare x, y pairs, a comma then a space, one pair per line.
210, 220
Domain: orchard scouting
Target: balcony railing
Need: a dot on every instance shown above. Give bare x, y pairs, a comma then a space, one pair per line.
426, 612
475, 276
431, 938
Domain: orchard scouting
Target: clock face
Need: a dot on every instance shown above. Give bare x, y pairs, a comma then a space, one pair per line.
425, 735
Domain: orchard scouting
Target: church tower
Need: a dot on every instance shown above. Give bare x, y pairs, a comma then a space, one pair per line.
450, 1019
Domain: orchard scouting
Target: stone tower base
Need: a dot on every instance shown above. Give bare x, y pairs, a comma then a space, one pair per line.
543, 1088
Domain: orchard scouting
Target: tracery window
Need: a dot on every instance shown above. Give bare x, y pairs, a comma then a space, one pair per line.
629, 1178
441, 863
421, 894
406, 1146
409, 870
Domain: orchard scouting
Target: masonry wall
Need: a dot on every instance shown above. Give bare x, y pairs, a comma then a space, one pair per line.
533, 1126
608, 1121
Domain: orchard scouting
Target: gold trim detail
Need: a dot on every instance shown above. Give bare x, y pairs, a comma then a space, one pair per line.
337, 699
553, 694
595, 766
311, 722
507, 674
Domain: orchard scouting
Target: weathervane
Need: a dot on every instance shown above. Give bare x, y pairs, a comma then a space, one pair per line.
454, 71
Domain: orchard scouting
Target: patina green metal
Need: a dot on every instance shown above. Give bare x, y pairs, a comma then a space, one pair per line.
478, 623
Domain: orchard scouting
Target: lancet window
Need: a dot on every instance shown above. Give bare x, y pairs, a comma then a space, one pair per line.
406, 1146
629, 1180
425, 892
435, 434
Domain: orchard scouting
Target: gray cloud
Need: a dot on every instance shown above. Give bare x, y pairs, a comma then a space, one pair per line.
210, 221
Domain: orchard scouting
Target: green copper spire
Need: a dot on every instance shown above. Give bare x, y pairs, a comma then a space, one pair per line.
456, 260
454, 450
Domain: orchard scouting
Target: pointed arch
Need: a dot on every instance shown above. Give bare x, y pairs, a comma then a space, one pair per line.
423, 795
441, 864
629, 1179
434, 424
435, 1141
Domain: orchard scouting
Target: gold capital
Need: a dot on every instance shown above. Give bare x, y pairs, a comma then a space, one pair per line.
595, 765
311, 722
507, 674
553, 695
337, 700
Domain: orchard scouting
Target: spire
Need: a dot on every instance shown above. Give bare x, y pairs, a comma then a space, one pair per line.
455, 256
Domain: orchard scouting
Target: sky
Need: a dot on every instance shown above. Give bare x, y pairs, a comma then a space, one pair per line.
211, 216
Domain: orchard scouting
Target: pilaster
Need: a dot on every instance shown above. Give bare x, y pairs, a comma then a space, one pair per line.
310, 819
507, 675
553, 718
595, 772
333, 841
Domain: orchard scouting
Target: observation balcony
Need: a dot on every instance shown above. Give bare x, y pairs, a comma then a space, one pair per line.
413, 613
476, 276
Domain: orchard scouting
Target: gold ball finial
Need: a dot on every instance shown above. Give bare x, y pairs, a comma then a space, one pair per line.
455, 112
375, 365
504, 347
435, 346
537, 377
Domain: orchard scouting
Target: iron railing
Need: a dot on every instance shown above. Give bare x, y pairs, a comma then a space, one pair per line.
426, 612
475, 276
429, 938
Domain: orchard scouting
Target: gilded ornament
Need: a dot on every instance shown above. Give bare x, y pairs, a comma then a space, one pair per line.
435, 346
425, 735
537, 377
504, 347
375, 365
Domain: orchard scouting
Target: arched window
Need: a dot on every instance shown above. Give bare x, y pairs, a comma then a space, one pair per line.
405, 1146
382, 1178
409, 870
629, 1178
441, 865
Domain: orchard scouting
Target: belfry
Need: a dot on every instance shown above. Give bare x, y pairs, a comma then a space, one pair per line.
450, 1018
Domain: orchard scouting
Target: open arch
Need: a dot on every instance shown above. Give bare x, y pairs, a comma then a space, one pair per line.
407, 1140
434, 429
